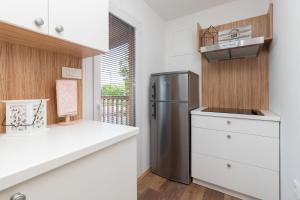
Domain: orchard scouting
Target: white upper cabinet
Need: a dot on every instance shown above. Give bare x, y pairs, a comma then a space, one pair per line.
29, 14
84, 22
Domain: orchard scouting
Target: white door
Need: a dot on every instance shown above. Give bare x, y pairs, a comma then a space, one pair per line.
83, 22
29, 14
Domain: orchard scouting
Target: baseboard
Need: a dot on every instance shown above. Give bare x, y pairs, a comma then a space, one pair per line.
143, 175
223, 190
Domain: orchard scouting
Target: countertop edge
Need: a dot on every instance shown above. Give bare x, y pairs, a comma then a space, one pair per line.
29, 173
268, 116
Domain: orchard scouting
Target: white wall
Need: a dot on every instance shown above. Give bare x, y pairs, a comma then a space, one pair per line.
88, 89
91, 84
285, 88
181, 33
150, 59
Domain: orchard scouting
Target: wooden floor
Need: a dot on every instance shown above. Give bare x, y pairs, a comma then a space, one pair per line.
153, 187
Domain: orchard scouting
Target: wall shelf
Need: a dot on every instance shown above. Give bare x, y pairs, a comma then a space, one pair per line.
233, 50
16, 35
262, 35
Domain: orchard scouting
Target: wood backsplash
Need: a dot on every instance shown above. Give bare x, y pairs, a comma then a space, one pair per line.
240, 83
29, 73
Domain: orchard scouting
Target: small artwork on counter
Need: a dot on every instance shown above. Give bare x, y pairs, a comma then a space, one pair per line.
66, 94
25, 116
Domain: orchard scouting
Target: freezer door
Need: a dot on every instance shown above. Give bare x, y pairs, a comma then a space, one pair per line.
172, 87
173, 142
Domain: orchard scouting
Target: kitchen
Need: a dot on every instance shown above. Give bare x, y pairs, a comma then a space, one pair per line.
240, 134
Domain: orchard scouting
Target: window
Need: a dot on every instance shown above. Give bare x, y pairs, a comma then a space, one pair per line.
118, 75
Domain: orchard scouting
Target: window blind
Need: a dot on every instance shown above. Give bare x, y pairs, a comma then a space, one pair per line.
118, 74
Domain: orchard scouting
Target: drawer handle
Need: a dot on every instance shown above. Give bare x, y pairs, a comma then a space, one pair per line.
59, 29
18, 196
39, 22
229, 137
228, 165
228, 122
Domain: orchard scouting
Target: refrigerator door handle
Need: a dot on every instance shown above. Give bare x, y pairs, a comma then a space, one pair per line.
154, 91
153, 110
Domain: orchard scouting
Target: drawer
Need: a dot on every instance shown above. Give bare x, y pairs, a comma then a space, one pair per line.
252, 181
250, 149
256, 127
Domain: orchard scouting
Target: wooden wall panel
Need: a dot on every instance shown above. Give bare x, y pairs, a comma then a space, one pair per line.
236, 84
29, 73
240, 83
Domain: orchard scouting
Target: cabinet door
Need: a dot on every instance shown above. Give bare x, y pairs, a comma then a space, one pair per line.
29, 14
84, 22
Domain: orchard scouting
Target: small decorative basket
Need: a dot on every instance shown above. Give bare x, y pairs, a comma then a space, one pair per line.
25, 116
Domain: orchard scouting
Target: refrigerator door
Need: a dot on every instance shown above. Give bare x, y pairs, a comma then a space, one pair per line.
172, 87
154, 138
171, 159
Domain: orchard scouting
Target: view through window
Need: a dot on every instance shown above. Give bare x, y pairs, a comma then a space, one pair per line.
118, 75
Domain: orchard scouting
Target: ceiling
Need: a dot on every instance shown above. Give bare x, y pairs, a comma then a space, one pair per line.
170, 9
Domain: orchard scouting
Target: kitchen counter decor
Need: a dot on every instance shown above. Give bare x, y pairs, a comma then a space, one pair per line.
25, 116
66, 95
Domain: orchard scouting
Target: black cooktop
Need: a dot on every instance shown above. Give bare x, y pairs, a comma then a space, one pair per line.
234, 111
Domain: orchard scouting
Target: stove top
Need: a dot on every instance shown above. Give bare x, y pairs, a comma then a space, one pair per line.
234, 111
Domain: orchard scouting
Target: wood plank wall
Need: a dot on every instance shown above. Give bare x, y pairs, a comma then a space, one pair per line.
29, 73
240, 83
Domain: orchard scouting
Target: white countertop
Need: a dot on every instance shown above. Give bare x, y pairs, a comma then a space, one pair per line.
23, 157
268, 116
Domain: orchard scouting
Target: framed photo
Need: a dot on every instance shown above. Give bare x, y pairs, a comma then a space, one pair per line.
66, 96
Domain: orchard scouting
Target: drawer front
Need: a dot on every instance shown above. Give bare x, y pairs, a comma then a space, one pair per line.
250, 149
256, 127
252, 181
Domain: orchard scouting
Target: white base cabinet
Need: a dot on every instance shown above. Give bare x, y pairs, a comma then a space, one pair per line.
236, 156
109, 174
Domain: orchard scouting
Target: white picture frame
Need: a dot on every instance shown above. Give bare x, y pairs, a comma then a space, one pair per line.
24, 112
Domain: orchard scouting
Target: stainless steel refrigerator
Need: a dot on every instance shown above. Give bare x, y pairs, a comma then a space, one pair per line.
172, 96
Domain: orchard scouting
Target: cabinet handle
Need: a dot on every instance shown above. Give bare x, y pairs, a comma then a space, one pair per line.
229, 137
228, 122
39, 22
228, 165
59, 28
18, 196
